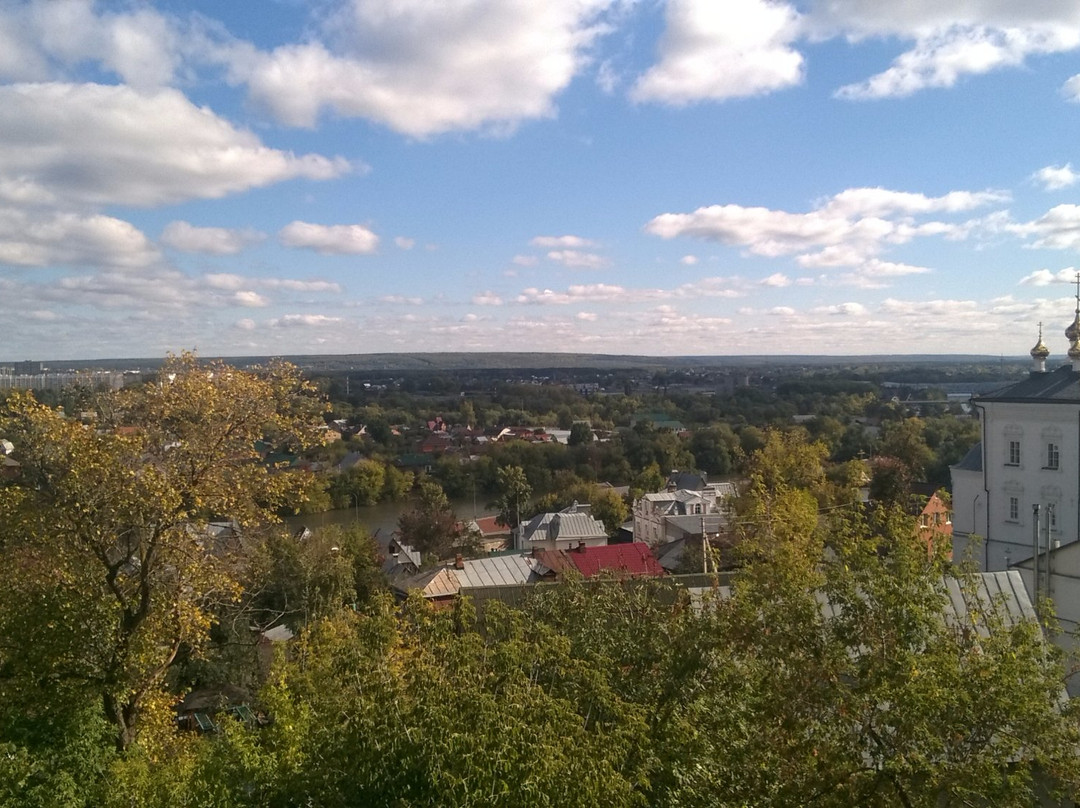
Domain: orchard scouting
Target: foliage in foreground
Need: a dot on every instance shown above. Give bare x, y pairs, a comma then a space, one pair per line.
628, 693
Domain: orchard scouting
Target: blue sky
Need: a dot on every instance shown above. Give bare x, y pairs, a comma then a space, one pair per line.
603, 176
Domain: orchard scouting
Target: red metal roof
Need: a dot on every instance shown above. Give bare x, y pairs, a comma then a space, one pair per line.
630, 559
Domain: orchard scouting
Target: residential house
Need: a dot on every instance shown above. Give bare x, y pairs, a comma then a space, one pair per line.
568, 528
440, 586
672, 515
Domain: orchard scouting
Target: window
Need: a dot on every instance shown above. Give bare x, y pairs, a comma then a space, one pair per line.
1014, 509
1014, 453
1053, 455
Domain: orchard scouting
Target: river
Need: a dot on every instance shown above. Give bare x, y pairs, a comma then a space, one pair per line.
381, 520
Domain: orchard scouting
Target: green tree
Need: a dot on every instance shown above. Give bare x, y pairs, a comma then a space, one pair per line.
430, 525
581, 434
109, 565
514, 492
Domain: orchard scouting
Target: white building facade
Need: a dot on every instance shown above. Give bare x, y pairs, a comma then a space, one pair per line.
1022, 482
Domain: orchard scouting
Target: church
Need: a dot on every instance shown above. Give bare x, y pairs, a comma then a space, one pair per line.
1019, 488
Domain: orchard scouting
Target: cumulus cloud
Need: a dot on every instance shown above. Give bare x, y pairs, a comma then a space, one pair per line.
714, 51
776, 280
186, 237
846, 230
404, 243
340, 239
231, 282
1044, 277
487, 299
304, 321
597, 292
577, 259
423, 68
1057, 229
689, 260
39, 39
842, 309
104, 145
249, 299
38, 239
1054, 178
561, 242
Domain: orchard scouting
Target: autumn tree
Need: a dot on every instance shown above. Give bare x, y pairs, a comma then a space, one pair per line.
110, 562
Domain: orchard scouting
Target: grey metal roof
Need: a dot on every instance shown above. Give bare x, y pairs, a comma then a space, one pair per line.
564, 526
1055, 386
972, 461
495, 571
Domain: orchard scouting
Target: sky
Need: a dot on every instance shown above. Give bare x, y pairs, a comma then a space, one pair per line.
659, 177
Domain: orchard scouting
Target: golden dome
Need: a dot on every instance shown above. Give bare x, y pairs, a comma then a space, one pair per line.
1040, 351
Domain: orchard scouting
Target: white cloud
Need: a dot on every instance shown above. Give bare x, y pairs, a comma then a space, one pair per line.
525, 260
689, 260
1044, 277
883, 202
587, 316
422, 68
41, 39
249, 299
1054, 178
1057, 229
776, 280
292, 285
576, 259
842, 309
304, 321
404, 243
340, 239
230, 282
561, 242
402, 300
717, 50
597, 292
245, 324
849, 229
102, 145
944, 55
185, 237
487, 299
32, 239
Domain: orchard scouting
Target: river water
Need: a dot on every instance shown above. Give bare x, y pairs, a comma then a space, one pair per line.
381, 520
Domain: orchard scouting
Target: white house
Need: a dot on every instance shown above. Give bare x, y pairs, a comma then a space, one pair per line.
671, 515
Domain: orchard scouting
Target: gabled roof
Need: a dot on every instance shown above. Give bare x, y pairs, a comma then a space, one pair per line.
1054, 387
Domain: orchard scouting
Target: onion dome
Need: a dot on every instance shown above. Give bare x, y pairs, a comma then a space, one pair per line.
1040, 351
1073, 331
1074, 351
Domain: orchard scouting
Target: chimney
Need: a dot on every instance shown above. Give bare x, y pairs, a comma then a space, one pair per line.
459, 562
581, 547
